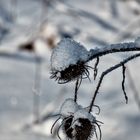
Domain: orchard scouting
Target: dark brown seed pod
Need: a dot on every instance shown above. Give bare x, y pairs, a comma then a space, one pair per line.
84, 130
77, 123
83, 126
67, 127
68, 61
73, 72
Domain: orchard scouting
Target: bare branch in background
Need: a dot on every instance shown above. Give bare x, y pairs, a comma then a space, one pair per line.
37, 88
114, 8
13, 9
95, 68
129, 30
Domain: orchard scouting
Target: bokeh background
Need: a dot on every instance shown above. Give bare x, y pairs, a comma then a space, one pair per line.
29, 30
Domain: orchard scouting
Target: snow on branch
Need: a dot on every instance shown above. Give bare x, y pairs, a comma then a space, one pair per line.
113, 48
69, 61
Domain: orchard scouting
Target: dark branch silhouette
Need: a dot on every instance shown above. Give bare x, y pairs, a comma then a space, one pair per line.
123, 82
114, 48
108, 71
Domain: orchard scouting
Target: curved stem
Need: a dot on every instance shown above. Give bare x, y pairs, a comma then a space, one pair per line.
108, 71
123, 82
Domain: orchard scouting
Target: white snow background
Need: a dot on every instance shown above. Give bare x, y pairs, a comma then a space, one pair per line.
93, 23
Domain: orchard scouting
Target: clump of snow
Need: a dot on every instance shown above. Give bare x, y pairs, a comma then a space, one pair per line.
69, 107
137, 41
83, 113
68, 52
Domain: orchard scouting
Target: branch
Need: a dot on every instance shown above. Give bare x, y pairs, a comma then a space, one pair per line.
113, 48
123, 82
108, 71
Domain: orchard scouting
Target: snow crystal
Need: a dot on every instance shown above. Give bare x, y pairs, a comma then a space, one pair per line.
69, 107
68, 52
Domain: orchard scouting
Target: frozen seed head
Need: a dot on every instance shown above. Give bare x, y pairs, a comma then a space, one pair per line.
68, 52
137, 41
83, 113
82, 125
83, 129
68, 61
68, 108
77, 123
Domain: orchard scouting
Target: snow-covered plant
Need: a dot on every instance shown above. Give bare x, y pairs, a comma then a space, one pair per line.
77, 123
68, 63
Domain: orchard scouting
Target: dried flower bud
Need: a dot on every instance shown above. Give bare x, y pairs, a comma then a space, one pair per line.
68, 61
82, 126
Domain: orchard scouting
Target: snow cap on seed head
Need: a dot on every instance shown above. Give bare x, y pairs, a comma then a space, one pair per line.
67, 52
69, 107
83, 113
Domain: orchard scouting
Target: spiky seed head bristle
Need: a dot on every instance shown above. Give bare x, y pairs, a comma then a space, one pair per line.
67, 52
73, 72
68, 61
67, 129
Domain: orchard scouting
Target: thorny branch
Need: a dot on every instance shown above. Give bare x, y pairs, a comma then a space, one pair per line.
108, 71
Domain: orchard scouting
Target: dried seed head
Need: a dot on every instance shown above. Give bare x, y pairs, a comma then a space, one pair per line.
68, 52
77, 123
67, 129
83, 129
68, 61
80, 126
83, 125
68, 108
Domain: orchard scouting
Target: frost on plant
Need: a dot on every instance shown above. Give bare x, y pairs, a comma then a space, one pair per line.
68, 108
68, 61
77, 123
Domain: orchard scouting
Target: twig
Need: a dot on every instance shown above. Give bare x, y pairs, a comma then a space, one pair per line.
76, 90
113, 48
123, 82
108, 71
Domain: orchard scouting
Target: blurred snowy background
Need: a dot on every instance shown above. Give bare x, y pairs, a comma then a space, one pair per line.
29, 29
